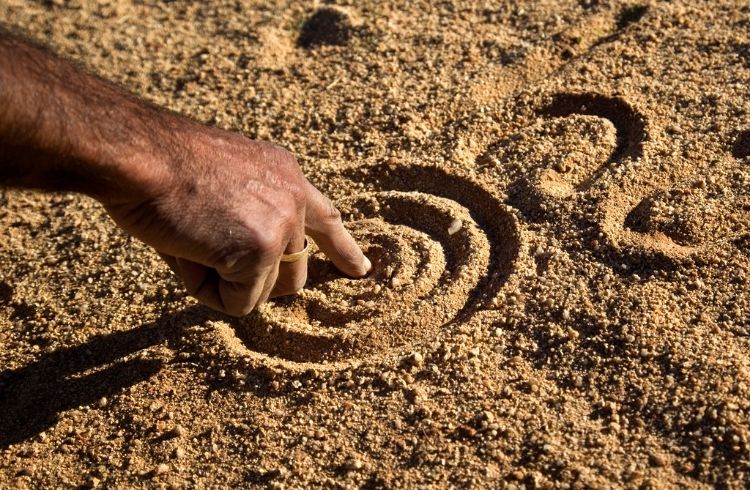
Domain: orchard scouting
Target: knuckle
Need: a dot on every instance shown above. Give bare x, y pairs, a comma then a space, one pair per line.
286, 157
287, 172
297, 191
267, 243
332, 214
228, 258
288, 210
279, 154
268, 146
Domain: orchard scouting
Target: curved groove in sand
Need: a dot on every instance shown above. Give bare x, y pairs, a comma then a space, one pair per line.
563, 156
630, 124
632, 248
441, 246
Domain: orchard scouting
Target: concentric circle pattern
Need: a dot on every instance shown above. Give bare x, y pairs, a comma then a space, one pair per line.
428, 255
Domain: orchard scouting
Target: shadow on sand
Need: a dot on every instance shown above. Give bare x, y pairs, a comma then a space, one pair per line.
33, 396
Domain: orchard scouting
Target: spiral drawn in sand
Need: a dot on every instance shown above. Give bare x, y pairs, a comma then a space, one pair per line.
636, 246
628, 122
697, 218
551, 160
441, 248
563, 154
559, 163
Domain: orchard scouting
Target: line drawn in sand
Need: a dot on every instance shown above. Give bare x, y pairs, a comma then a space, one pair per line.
442, 247
555, 168
557, 163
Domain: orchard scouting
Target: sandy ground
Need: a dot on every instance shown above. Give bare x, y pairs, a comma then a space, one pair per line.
556, 199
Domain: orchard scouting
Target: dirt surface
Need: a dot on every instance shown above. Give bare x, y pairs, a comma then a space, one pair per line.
555, 196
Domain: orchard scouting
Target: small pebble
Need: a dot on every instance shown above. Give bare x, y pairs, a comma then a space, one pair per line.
160, 469
416, 358
353, 464
455, 225
178, 431
657, 460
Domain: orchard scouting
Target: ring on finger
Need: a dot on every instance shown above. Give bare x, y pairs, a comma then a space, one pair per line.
294, 257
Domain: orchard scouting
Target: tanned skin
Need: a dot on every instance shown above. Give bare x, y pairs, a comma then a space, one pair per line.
218, 207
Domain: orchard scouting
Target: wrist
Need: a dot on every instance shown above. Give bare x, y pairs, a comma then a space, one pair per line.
134, 155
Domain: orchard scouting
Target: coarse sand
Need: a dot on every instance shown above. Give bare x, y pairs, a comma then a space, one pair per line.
556, 199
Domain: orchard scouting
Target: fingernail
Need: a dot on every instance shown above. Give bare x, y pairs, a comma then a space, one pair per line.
368, 265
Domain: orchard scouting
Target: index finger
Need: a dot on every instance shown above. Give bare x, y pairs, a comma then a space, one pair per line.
323, 224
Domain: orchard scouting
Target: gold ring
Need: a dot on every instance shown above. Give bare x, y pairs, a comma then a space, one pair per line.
294, 257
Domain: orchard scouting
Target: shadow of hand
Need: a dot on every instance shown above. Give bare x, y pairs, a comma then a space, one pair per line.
33, 396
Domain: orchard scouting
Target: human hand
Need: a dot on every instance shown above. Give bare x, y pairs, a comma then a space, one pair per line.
221, 209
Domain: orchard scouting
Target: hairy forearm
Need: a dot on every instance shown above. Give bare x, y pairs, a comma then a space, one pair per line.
62, 129
221, 209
